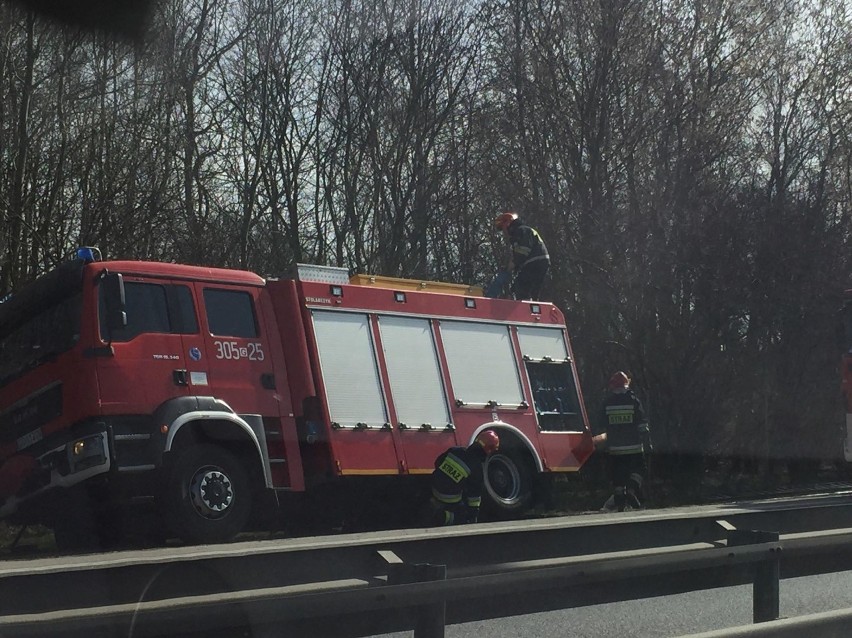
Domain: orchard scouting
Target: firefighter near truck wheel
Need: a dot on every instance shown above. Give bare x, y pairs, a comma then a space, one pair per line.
216, 396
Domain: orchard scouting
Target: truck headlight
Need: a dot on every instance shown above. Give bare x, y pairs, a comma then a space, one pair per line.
86, 452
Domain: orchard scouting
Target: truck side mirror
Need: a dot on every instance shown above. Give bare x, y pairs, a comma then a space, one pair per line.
113, 291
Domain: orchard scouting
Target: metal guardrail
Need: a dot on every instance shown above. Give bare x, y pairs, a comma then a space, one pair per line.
425, 589
830, 624
375, 583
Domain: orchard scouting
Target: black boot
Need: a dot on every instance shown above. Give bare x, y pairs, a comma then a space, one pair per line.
620, 498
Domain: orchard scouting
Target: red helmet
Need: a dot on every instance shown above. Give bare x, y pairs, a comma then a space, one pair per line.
489, 441
504, 220
619, 380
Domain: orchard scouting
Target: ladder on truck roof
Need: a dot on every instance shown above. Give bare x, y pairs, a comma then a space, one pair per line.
341, 276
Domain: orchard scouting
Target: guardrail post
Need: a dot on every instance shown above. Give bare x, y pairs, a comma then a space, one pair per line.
429, 620
767, 574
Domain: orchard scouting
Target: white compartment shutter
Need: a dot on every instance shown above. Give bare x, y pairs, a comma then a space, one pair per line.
414, 371
482, 363
349, 368
538, 343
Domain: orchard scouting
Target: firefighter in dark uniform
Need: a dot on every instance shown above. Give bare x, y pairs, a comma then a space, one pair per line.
457, 481
627, 435
530, 260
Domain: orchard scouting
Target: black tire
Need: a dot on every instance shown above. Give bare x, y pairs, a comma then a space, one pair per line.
207, 495
509, 482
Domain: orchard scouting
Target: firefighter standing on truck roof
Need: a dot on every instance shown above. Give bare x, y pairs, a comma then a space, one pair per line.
529, 261
627, 436
457, 481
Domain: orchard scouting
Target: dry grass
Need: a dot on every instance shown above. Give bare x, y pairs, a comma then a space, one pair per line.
15, 541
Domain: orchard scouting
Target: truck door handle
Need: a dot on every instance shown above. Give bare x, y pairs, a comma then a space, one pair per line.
179, 377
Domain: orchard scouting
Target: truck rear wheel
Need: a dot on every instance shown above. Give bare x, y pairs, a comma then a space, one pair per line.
508, 483
208, 495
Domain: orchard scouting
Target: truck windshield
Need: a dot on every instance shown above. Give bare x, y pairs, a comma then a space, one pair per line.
52, 331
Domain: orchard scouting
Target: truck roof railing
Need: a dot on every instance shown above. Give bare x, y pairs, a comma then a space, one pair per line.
340, 276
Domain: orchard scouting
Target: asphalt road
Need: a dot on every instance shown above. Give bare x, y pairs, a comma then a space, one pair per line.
667, 616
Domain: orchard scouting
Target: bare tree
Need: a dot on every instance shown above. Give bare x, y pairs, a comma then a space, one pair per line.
400, 71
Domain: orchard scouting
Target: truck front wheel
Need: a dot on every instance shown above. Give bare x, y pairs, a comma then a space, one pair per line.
207, 495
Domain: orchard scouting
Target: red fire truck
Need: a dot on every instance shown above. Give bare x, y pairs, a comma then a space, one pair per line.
846, 375
205, 390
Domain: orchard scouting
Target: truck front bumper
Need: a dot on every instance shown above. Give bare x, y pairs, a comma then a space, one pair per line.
62, 466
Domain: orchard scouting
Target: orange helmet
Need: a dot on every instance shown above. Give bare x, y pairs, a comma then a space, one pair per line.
619, 380
489, 441
504, 220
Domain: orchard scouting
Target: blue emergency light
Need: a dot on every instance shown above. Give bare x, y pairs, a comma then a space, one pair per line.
88, 254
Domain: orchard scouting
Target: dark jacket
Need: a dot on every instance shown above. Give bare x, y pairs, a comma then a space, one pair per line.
527, 245
623, 419
457, 479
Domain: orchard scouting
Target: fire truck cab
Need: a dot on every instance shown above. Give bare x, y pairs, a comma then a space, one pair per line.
200, 389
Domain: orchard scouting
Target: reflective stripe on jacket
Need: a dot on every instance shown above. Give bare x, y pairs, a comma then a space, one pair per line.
457, 477
527, 245
624, 421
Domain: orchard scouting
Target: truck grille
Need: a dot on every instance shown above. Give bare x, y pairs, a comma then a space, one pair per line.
31, 413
